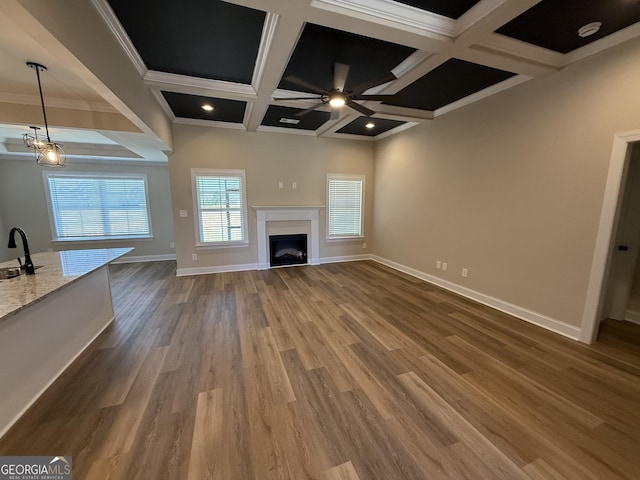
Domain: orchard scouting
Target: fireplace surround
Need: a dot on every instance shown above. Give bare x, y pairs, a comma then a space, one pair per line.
300, 213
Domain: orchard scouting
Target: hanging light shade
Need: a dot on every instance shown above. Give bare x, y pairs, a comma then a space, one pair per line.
47, 153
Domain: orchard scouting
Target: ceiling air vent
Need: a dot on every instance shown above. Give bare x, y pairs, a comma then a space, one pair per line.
291, 121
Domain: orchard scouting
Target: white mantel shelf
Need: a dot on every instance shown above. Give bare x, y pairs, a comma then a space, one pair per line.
284, 213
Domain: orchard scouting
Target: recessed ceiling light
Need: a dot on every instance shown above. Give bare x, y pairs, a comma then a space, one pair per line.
292, 121
370, 125
207, 108
589, 29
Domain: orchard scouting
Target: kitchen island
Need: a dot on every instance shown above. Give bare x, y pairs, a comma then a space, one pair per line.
48, 319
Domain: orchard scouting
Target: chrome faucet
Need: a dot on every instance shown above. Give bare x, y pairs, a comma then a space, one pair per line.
28, 267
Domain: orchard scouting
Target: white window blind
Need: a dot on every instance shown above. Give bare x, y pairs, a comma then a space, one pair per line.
344, 205
98, 206
220, 206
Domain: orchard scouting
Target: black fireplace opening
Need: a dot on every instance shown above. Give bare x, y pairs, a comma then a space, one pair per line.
288, 249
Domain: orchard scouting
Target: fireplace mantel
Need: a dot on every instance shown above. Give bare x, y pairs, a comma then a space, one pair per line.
284, 213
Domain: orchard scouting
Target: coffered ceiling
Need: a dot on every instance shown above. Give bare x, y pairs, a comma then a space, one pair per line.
238, 55
261, 63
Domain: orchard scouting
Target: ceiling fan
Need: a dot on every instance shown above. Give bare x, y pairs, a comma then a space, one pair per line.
338, 96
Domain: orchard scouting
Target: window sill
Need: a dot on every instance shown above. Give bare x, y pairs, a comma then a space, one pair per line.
100, 239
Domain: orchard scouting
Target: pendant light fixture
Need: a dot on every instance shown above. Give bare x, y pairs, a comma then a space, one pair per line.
48, 153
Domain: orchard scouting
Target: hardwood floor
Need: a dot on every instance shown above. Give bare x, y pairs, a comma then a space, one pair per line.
335, 372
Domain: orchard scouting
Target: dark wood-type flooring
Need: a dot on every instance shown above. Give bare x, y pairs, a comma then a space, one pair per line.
342, 371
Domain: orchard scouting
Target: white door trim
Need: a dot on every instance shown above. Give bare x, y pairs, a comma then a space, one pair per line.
606, 230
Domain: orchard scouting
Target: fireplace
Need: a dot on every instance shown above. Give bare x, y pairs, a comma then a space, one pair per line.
287, 249
298, 218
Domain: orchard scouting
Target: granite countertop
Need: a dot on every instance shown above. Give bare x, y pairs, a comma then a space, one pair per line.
57, 270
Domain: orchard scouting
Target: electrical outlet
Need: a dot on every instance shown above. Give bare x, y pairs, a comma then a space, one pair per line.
364, 245
183, 213
438, 264
294, 185
444, 266
172, 244
465, 272
194, 256
280, 185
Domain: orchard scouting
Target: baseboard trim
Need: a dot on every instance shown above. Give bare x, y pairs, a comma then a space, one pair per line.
632, 316
183, 272
345, 258
530, 316
146, 258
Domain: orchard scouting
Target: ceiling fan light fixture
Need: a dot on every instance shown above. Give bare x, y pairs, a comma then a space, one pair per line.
337, 100
49, 154
338, 97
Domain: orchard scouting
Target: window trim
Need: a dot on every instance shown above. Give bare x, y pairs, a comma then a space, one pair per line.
218, 172
346, 176
46, 174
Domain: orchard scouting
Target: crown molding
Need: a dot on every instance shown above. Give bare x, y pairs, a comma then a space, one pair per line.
406, 114
398, 129
266, 41
487, 92
350, 136
295, 131
429, 24
476, 13
173, 82
522, 50
208, 123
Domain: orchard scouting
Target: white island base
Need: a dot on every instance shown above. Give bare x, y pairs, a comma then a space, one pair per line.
42, 336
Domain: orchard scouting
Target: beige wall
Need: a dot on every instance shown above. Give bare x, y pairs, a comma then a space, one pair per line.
23, 204
511, 187
267, 159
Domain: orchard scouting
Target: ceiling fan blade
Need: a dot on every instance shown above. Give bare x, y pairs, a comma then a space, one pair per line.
340, 74
378, 98
308, 110
305, 84
360, 108
296, 98
363, 87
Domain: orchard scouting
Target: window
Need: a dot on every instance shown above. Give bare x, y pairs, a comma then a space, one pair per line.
220, 206
98, 206
344, 211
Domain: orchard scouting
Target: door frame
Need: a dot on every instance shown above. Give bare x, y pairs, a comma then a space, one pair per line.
606, 232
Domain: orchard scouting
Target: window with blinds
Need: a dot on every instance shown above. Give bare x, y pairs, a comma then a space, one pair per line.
220, 206
344, 205
98, 206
